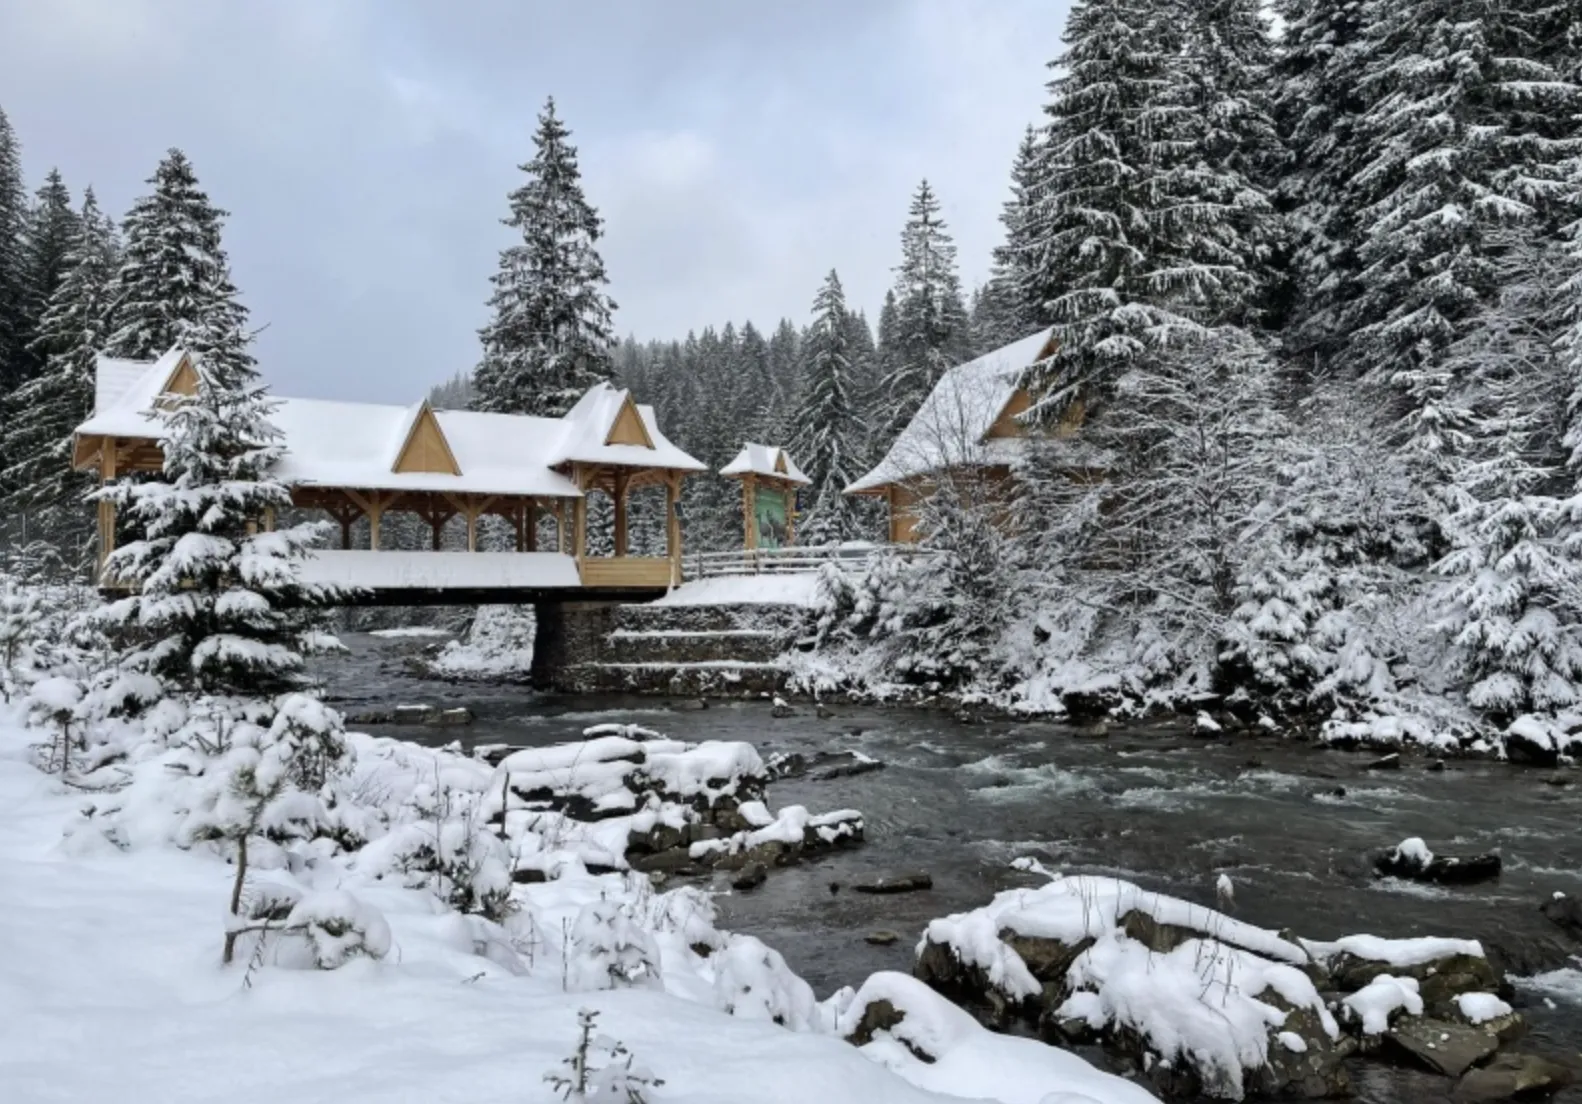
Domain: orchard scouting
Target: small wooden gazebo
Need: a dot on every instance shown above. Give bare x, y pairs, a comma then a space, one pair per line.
365, 461
769, 482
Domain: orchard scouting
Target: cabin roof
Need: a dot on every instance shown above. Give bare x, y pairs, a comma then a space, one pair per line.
950, 428
769, 461
353, 444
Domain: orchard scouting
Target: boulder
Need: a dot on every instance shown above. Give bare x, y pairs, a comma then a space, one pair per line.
1565, 912
896, 883
847, 770
882, 938
1440, 980
1391, 761
1303, 1061
750, 876
461, 715
1438, 1045
1413, 861
1512, 1075
413, 714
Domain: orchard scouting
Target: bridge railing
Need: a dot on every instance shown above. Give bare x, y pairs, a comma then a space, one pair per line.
793, 560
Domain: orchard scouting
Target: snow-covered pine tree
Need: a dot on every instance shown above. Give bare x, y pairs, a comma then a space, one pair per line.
48, 238
931, 330
550, 337
13, 260
1138, 237
1458, 104
44, 411
1003, 312
1318, 101
830, 433
219, 605
173, 269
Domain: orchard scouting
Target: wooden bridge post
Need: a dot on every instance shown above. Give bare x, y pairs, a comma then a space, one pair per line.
106, 509
749, 510
622, 479
673, 525
579, 519
530, 525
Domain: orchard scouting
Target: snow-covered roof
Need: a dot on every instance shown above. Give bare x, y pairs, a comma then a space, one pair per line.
766, 460
587, 428
359, 445
950, 427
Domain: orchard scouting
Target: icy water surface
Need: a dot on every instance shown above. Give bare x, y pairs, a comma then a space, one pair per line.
1291, 825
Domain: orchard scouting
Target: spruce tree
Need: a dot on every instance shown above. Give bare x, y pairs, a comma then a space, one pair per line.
44, 411
1459, 102
830, 437
931, 325
1005, 309
550, 337
13, 260
219, 606
1319, 101
1138, 237
51, 234
174, 271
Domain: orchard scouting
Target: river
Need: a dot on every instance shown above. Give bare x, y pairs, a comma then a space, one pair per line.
1290, 824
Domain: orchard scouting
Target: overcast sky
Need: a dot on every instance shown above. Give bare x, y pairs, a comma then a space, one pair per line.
737, 149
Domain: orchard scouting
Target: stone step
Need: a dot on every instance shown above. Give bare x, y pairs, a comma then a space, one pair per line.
681, 646
650, 617
713, 678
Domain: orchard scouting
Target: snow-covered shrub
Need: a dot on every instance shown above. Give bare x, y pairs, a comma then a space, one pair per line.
600, 1070
499, 643
53, 704
332, 928
752, 980
19, 614
609, 949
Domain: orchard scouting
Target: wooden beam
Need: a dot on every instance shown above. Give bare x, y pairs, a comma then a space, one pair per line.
579, 518
106, 509
749, 505
530, 525
620, 512
673, 526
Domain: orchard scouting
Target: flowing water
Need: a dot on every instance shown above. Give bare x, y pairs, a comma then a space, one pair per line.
1291, 825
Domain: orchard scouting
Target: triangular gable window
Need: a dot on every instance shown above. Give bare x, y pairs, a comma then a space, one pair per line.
628, 427
425, 448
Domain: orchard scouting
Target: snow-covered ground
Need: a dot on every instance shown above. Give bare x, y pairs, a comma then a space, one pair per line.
113, 987
790, 589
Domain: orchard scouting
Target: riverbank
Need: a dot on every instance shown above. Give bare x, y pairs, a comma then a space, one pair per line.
1160, 803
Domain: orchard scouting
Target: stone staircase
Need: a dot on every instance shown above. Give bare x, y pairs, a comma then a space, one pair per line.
691, 651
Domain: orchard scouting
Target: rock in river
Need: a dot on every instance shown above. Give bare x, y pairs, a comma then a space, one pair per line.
896, 883
1411, 859
1512, 1075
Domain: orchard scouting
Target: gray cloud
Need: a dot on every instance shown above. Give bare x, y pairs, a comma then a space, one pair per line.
737, 149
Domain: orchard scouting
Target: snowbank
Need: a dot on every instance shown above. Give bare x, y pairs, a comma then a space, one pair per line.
791, 589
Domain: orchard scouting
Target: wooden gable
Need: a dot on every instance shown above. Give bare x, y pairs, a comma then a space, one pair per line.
628, 427
780, 462
425, 448
1006, 423
182, 383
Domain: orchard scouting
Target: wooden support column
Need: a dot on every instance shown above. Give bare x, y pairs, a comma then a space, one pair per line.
579, 518
106, 509
346, 514
749, 507
530, 525
373, 506
269, 519
789, 490
673, 525
471, 507
622, 480
560, 527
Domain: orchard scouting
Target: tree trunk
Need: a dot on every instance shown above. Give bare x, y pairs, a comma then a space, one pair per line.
236, 897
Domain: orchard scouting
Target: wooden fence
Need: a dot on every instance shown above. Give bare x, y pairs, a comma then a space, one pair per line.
793, 560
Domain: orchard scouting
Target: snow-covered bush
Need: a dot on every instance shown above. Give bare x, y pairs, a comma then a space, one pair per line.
53, 705
332, 928
609, 949
600, 1070
752, 980
19, 614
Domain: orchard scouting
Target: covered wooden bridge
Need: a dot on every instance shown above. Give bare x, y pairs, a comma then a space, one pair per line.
360, 463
